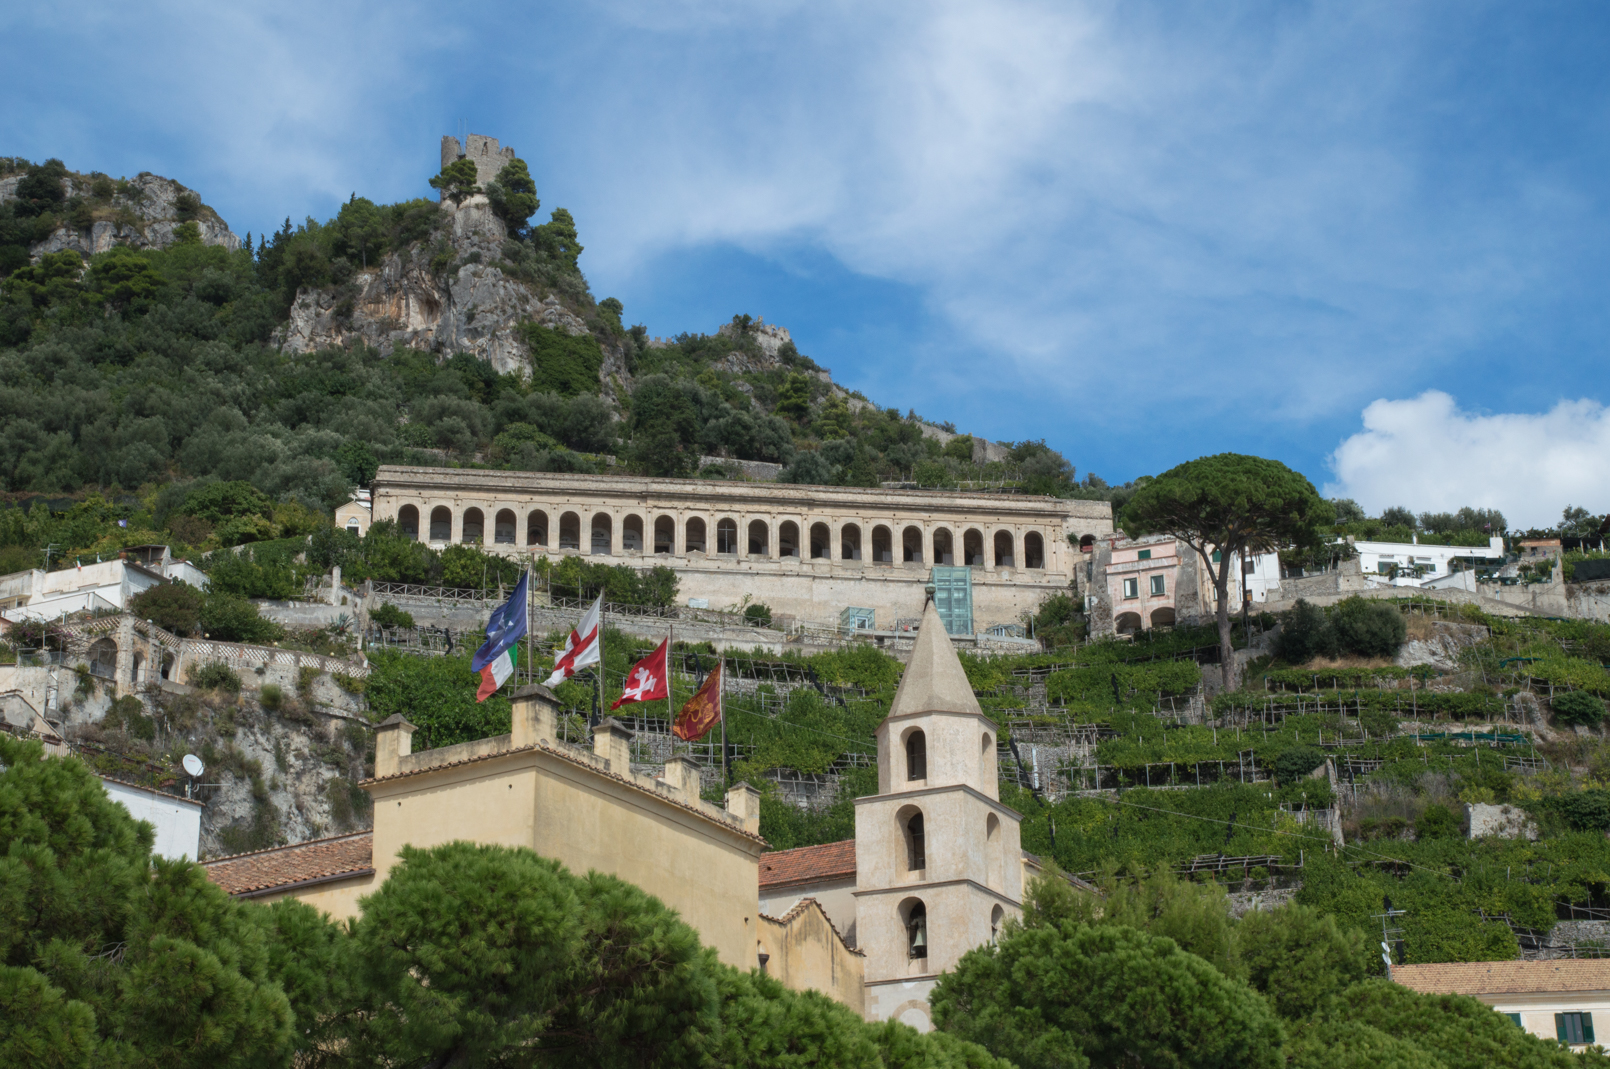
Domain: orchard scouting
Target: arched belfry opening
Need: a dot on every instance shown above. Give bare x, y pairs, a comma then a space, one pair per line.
916, 755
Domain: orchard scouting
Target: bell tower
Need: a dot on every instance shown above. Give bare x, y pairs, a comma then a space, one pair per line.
939, 861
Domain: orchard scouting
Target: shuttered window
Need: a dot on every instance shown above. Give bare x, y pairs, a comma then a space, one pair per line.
1573, 1028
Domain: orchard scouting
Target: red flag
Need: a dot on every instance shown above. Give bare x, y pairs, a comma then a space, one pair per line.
649, 678
702, 711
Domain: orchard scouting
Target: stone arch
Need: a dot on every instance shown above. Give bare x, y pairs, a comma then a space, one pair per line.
139, 664
1033, 550
694, 539
994, 854
632, 534
441, 524
473, 530
1126, 623
1087, 543
911, 545
850, 542
913, 913
973, 548
355, 526
536, 528
102, 654
759, 538
665, 535
997, 918
570, 531
944, 547
727, 536
1163, 617
408, 522
914, 834
986, 759
821, 542
788, 539
1004, 557
916, 749
504, 527
882, 545
603, 535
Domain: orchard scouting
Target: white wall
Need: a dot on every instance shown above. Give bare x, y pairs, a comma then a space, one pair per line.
177, 820
1433, 558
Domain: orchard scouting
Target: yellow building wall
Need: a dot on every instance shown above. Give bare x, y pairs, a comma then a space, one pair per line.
337, 899
805, 953
586, 821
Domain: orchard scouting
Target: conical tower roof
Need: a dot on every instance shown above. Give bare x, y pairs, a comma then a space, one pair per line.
934, 681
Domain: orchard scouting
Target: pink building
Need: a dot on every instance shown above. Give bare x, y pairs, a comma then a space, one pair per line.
1142, 584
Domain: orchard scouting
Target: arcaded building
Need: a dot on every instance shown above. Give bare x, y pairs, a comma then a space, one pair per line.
810, 552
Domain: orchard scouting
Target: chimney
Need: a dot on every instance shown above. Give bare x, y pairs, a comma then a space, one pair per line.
743, 803
612, 741
682, 774
535, 716
393, 742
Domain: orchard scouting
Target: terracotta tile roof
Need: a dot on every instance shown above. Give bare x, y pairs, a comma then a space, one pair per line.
314, 861
808, 864
1505, 977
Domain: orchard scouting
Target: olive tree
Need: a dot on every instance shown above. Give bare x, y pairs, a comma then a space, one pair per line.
1231, 505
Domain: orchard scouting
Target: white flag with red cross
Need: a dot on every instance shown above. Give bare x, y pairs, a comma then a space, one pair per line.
649, 679
581, 648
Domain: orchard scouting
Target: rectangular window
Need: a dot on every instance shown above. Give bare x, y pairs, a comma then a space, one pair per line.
1573, 1028
1215, 556
1144, 554
1158, 589
1249, 566
1131, 588
1516, 1018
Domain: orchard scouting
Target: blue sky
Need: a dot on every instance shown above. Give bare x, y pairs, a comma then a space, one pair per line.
1367, 239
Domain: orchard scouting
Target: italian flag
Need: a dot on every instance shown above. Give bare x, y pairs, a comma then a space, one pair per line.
496, 658
497, 671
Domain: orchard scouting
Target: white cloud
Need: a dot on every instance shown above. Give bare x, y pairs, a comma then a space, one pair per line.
1430, 455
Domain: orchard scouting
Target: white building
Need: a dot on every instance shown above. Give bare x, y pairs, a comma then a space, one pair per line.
177, 820
105, 585
355, 515
1423, 565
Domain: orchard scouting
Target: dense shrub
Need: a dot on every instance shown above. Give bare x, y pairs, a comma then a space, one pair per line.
388, 615
272, 696
215, 675
174, 607
1368, 628
758, 614
1577, 707
1305, 633
1437, 822
1296, 762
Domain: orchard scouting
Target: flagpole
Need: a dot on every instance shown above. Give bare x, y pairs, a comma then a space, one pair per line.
726, 776
600, 654
529, 648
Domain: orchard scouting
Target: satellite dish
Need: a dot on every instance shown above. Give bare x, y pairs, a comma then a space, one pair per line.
193, 765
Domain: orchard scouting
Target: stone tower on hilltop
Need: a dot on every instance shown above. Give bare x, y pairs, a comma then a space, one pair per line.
489, 159
938, 856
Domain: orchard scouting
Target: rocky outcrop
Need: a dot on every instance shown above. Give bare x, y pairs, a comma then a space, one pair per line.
468, 306
143, 213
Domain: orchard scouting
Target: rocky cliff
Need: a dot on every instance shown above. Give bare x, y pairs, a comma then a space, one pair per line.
447, 295
141, 212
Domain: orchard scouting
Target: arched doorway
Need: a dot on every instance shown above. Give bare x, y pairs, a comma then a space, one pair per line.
944, 550
821, 542
695, 536
536, 528
759, 539
788, 539
632, 534
850, 542
882, 545
665, 535
973, 548
408, 522
603, 535
474, 527
727, 536
570, 531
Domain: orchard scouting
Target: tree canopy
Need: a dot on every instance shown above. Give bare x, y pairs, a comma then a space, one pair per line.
1229, 504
